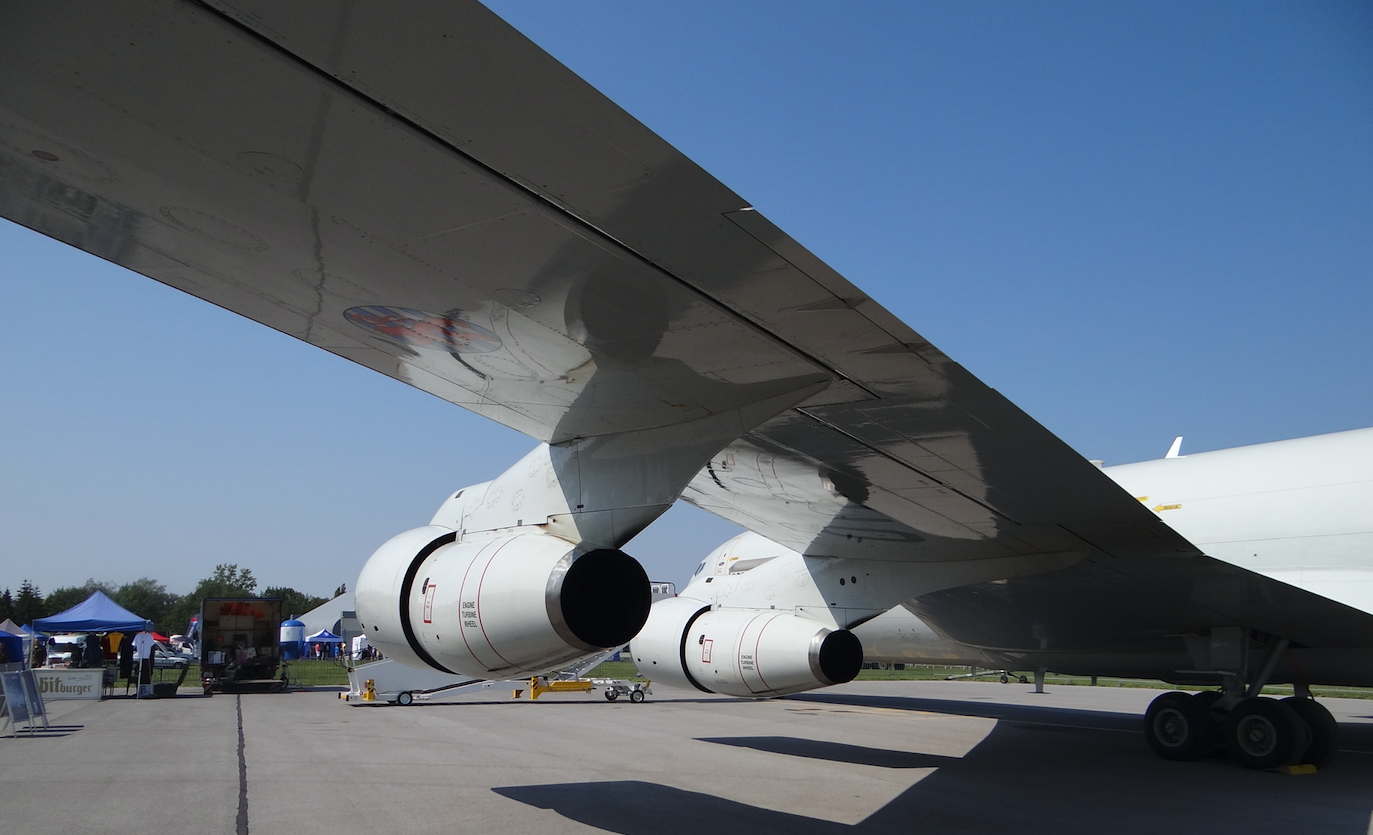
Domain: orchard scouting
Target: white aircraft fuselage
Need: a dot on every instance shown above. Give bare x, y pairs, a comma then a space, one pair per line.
1299, 511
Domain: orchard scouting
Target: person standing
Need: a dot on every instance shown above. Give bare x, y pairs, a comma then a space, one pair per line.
38, 656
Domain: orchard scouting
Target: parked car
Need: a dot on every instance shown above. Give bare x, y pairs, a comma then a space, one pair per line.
164, 658
181, 651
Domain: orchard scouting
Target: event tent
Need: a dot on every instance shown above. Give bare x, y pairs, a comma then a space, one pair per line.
11, 648
323, 636
330, 614
96, 613
12, 638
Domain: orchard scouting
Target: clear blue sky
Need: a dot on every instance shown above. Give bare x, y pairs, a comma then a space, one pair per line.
1136, 220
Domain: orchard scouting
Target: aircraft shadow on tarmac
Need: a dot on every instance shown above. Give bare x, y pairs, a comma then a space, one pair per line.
1089, 775
834, 751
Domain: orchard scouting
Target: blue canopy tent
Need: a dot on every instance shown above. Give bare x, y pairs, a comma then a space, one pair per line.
324, 636
96, 613
12, 637
12, 647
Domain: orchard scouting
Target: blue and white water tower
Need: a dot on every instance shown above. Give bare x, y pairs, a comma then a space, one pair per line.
292, 639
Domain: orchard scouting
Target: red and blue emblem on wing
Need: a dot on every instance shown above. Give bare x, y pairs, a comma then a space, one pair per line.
424, 331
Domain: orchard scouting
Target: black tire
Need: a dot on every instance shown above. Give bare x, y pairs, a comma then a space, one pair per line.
1004, 678
1179, 727
404, 699
1325, 731
636, 696
1208, 700
611, 695
1265, 733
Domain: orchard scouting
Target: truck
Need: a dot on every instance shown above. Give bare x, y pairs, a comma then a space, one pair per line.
240, 644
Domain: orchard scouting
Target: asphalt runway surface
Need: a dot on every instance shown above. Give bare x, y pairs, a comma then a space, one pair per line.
865, 758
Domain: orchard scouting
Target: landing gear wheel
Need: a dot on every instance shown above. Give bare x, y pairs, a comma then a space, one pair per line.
611, 695
404, 699
1208, 700
1005, 678
1325, 731
636, 696
1179, 727
1265, 733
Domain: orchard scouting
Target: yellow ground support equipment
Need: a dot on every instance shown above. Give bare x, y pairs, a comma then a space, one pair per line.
538, 685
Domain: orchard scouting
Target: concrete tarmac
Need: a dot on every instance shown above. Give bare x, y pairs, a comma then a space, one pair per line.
865, 758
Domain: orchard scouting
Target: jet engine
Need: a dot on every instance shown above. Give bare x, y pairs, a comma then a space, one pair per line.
520, 604
742, 652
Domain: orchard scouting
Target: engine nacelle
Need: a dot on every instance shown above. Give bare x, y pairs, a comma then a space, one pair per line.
742, 652
521, 604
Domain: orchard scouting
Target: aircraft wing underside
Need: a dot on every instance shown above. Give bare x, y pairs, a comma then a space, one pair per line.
434, 197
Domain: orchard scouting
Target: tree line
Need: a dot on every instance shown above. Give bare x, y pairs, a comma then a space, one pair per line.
145, 597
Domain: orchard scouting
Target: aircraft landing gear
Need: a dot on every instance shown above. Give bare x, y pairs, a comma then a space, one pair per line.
1179, 726
1325, 731
1256, 732
1265, 733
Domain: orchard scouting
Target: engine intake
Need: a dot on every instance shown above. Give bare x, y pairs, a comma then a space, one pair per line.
742, 652
521, 604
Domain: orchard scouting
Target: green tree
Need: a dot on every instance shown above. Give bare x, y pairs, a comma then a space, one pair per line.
62, 599
29, 604
148, 598
342, 589
6, 605
293, 602
228, 580
179, 615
